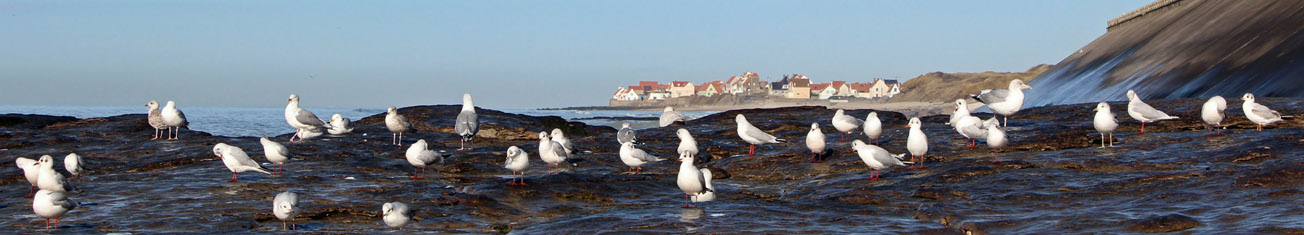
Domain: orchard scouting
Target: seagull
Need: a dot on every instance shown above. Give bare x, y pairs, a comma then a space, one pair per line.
687, 145
397, 124
873, 127
302, 119
173, 117
550, 151
1258, 113
876, 157
560, 137
1105, 123
50, 204
971, 128
635, 158
995, 140
845, 124
960, 111
285, 206
669, 116
31, 171
625, 134
395, 214
421, 157
74, 164
1213, 112
709, 195
1142, 112
1004, 101
815, 141
155, 119
517, 161
917, 142
50, 179
340, 125
307, 134
690, 180
276, 154
236, 160
753, 135
468, 123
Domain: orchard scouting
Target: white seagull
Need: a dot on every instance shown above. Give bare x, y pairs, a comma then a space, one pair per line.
420, 156
468, 123
74, 164
1142, 112
396, 214
669, 116
635, 158
753, 135
1213, 112
917, 142
51, 204
173, 118
236, 160
690, 180
1105, 122
340, 125
1004, 101
50, 179
276, 153
301, 119
687, 145
995, 140
550, 151
845, 124
1258, 113
873, 127
155, 119
815, 142
285, 206
876, 157
31, 171
397, 124
517, 161
709, 195
560, 137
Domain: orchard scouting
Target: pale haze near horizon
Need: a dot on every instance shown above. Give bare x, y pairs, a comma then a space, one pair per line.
508, 54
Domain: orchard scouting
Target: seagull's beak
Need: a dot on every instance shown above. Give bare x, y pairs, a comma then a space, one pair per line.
1027, 87
289, 99
907, 125
291, 209
1095, 109
1242, 98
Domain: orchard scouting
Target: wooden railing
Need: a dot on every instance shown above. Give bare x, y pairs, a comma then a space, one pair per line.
1139, 12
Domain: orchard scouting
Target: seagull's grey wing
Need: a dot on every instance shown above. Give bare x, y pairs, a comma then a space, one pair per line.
625, 135
668, 118
1146, 111
643, 155
283, 151
184, 122
758, 134
993, 96
1264, 111
307, 118
558, 150
403, 121
61, 200
701, 179
467, 123
156, 119
242, 157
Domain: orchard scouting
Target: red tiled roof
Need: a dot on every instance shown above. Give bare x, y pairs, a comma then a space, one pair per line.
647, 83
800, 82
679, 83
819, 87
838, 84
861, 87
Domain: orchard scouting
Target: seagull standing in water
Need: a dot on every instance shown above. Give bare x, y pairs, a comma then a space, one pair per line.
1004, 101
550, 151
996, 140
421, 157
690, 180
1258, 113
1105, 122
845, 124
669, 116
560, 137
753, 135
1213, 112
74, 164
31, 171
51, 179
397, 124
1142, 112
517, 161
873, 127
51, 204
635, 158
876, 157
285, 206
468, 123
395, 214
276, 153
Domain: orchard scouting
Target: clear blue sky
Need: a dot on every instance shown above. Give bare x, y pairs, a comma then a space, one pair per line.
508, 54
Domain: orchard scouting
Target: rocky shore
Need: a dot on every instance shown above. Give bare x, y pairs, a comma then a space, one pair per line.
1055, 178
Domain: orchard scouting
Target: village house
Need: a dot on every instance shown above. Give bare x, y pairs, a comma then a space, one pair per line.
780, 88
749, 81
883, 88
799, 87
628, 93
710, 89
682, 89
861, 90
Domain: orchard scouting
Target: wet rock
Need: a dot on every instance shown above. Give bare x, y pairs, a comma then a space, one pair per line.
31, 121
1164, 224
1290, 176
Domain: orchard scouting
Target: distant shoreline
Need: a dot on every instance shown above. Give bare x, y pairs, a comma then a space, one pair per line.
908, 108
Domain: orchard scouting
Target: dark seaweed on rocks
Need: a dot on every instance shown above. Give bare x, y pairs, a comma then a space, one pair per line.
1054, 179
